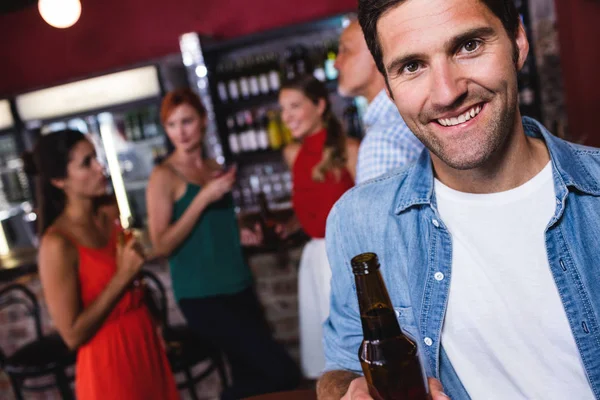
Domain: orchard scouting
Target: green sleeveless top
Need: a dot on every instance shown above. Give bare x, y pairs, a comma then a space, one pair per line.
209, 262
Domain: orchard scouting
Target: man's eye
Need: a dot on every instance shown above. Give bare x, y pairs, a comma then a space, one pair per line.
471, 46
411, 67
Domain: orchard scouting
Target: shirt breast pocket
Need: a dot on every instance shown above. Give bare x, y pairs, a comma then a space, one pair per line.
406, 319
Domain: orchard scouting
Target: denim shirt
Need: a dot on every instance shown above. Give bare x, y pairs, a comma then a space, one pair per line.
395, 216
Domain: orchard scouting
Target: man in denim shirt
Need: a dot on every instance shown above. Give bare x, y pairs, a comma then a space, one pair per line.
488, 244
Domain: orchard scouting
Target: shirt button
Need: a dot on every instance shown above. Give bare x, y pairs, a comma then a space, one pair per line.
397, 313
435, 223
438, 276
428, 341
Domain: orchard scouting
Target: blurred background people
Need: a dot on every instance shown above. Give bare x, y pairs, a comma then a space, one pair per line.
89, 279
388, 143
323, 165
192, 222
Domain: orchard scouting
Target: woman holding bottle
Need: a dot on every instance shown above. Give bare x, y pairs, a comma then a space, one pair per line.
323, 165
88, 278
193, 223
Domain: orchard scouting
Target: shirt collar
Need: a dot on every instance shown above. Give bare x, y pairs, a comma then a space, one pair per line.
417, 188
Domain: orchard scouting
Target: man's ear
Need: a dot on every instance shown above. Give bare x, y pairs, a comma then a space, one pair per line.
522, 47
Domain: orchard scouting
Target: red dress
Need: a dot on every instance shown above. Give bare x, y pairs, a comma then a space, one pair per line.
125, 358
312, 200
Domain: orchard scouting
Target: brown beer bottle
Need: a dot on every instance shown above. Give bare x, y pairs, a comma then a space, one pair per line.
389, 359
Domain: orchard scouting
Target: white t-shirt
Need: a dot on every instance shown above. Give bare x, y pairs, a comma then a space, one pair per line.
505, 330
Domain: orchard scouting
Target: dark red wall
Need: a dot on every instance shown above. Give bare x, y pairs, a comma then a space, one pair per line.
579, 34
116, 33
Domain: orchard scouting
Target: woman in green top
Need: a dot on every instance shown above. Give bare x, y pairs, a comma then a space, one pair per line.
193, 223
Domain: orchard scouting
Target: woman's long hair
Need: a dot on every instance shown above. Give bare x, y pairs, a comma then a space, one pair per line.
49, 161
334, 151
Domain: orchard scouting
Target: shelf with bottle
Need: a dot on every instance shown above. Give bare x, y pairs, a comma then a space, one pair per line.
11, 209
142, 125
256, 79
255, 132
10, 164
14, 187
271, 181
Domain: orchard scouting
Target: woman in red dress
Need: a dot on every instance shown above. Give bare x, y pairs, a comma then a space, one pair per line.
88, 278
323, 165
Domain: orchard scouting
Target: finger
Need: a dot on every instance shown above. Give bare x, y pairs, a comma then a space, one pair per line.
436, 389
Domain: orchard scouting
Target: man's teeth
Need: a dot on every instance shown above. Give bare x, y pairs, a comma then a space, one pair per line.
461, 118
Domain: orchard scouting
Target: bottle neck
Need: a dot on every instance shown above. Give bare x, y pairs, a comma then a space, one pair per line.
376, 311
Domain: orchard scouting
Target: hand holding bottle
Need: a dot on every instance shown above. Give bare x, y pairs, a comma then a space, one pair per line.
216, 188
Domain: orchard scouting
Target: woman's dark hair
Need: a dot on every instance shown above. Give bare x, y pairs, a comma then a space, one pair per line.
371, 11
49, 161
334, 151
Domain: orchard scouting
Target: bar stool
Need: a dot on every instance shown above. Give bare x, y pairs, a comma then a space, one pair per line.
184, 348
45, 356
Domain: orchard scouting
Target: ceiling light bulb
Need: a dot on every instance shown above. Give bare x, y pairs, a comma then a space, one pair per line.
60, 13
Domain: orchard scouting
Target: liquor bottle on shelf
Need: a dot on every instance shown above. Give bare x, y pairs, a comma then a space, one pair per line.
243, 80
222, 82
330, 72
149, 120
261, 131
128, 127
319, 58
274, 68
251, 132
263, 74
242, 133
138, 134
286, 134
389, 359
232, 83
289, 67
233, 137
274, 130
253, 75
301, 62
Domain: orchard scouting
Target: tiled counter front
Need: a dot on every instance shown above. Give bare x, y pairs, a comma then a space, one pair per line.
276, 286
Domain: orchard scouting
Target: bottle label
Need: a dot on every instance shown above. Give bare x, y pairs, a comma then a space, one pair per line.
244, 87
244, 141
222, 89
252, 140
233, 90
263, 139
254, 89
263, 81
274, 81
233, 143
330, 72
319, 73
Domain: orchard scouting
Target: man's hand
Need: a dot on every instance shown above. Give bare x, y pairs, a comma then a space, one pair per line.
436, 390
359, 390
